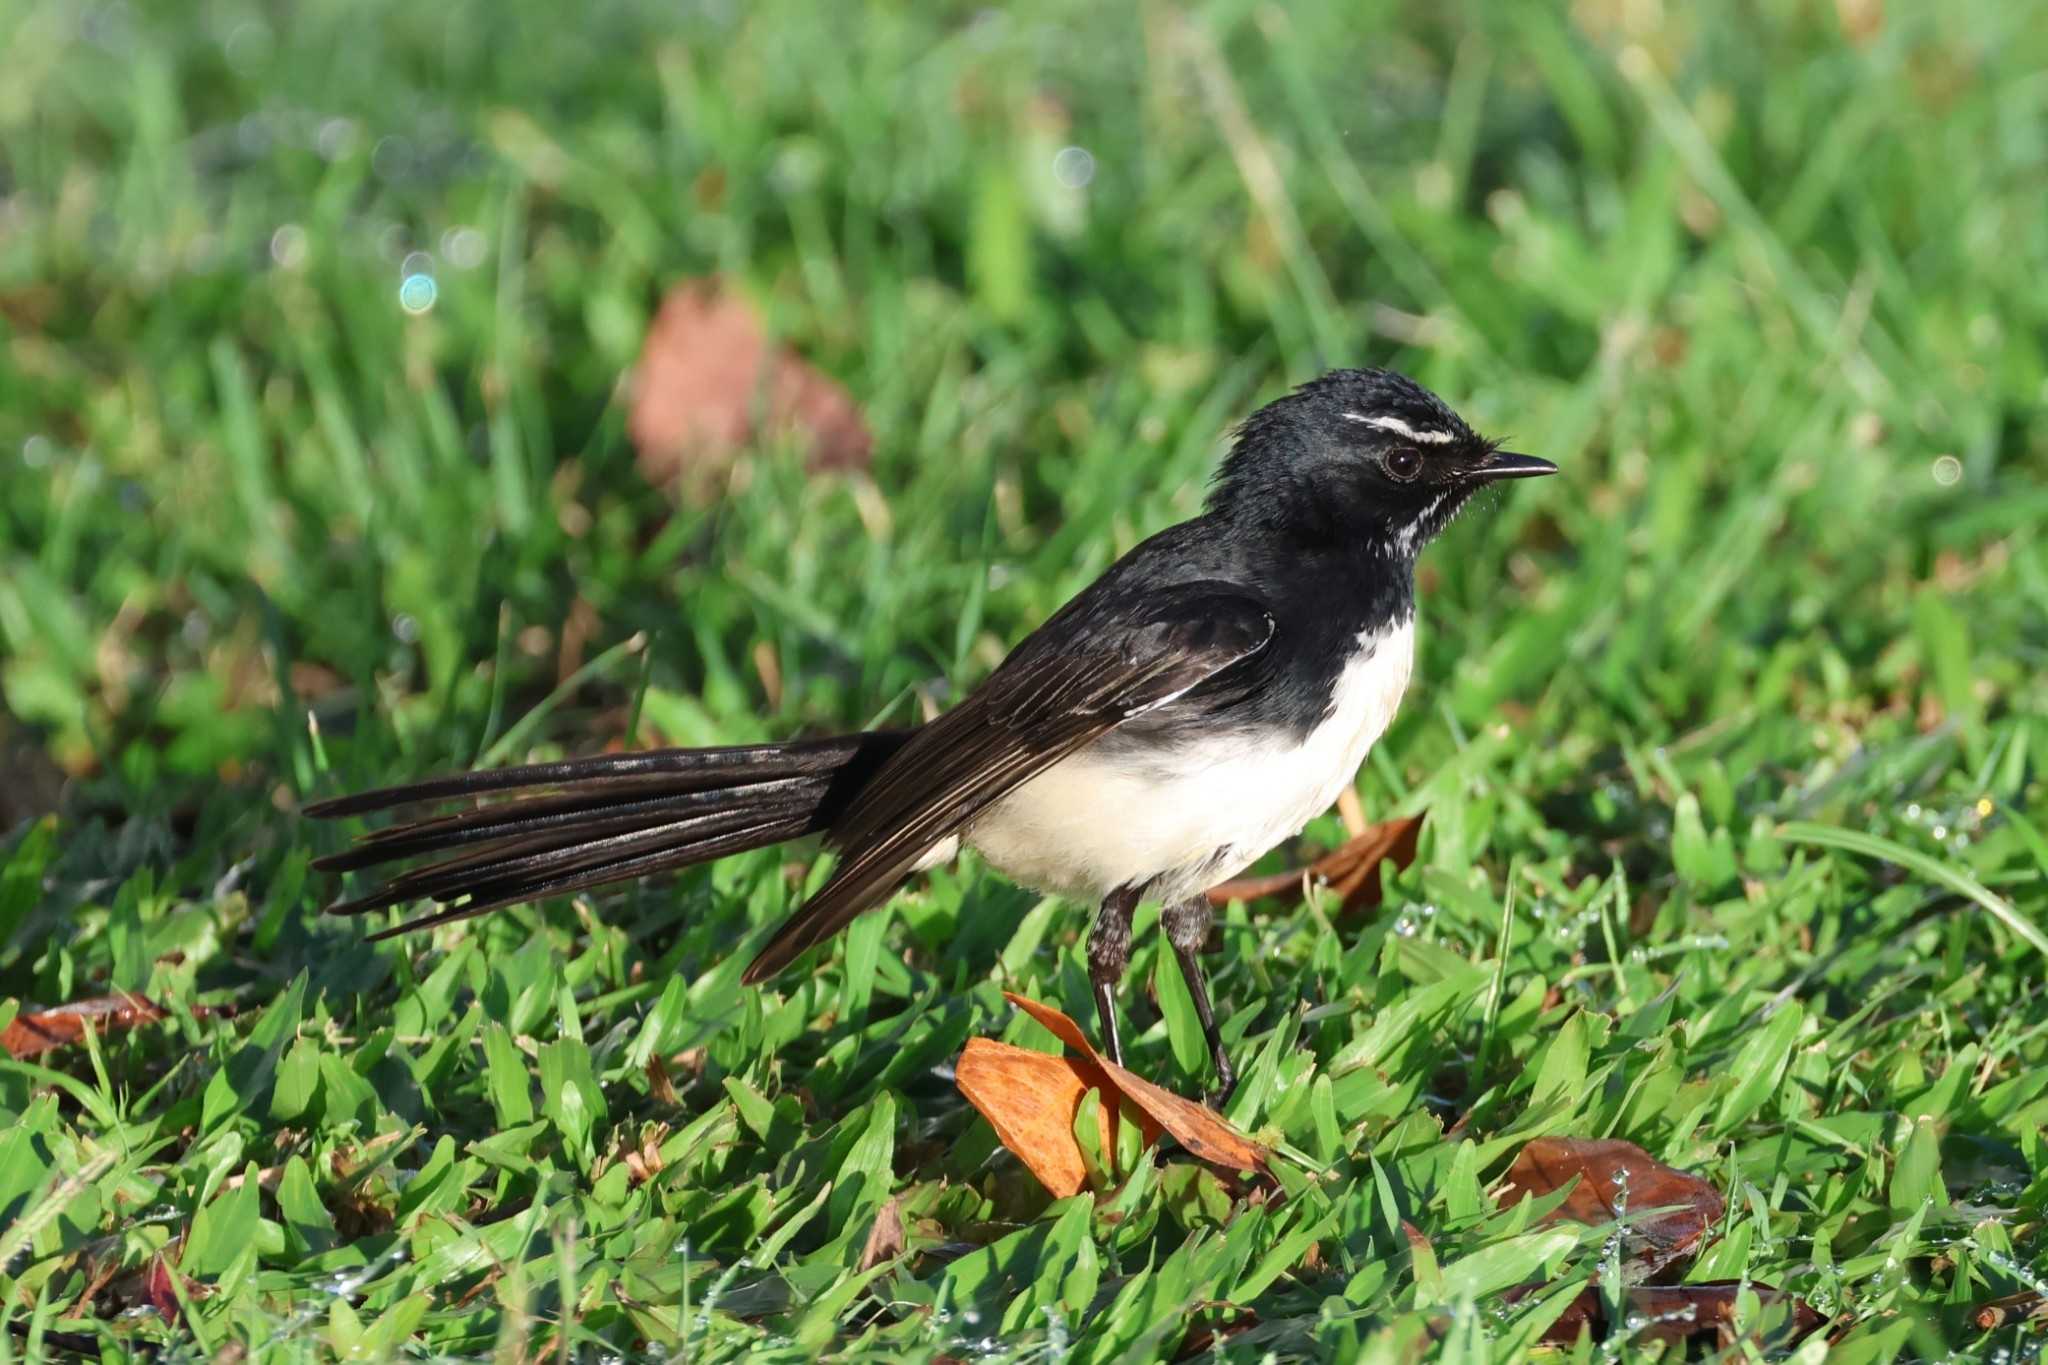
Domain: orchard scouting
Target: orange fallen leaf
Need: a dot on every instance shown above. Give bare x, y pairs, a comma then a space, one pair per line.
1031, 1098
1615, 1179
1351, 869
35, 1031
710, 382
1200, 1129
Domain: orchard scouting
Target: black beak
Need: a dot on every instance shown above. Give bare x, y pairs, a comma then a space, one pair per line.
1506, 464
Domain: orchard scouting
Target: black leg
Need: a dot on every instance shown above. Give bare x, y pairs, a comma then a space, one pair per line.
1109, 953
1187, 928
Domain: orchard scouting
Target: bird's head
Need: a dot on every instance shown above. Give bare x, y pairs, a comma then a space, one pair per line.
1360, 456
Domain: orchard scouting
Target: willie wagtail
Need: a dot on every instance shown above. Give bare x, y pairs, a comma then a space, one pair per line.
1207, 696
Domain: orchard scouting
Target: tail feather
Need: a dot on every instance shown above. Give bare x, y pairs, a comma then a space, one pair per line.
678, 770
589, 846
586, 823
488, 896
572, 815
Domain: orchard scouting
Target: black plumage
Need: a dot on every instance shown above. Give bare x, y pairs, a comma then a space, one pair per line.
1181, 714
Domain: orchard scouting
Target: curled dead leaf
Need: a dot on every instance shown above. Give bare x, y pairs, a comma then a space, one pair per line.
35, 1031
885, 1238
2028, 1306
1616, 1180
1351, 869
659, 1085
1031, 1098
1200, 1129
710, 383
644, 1162
161, 1282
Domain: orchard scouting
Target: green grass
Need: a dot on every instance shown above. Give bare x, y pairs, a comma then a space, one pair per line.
1731, 737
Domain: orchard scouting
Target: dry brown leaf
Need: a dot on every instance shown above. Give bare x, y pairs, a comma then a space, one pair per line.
644, 1163
885, 1238
1418, 1242
160, 1293
710, 383
1351, 869
2028, 1306
1615, 1177
1200, 1129
35, 1031
659, 1085
1678, 1313
1030, 1099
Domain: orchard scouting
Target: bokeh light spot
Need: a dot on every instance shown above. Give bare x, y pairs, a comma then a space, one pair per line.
464, 247
288, 246
1073, 167
417, 294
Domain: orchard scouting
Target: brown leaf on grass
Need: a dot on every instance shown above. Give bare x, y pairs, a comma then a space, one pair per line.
659, 1085
1680, 1313
885, 1238
35, 1031
1031, 1098
2029, 1306
1197, 1127
160, 1284
710, 383
1351, 869
1616, 1179
644, 1162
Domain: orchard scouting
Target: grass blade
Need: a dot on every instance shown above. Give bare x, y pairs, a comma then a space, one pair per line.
1933, 869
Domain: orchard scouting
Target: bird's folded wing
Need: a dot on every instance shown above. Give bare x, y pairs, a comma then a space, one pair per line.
1090, 668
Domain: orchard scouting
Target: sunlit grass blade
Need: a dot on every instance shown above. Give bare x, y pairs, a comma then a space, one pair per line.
1933, 869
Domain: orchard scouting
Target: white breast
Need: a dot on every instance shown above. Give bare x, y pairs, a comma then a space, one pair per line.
1188, 819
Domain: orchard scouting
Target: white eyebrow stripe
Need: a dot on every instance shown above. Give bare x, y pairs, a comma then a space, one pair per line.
1401, 428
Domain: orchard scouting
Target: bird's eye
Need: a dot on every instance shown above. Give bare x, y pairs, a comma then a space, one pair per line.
1404, 465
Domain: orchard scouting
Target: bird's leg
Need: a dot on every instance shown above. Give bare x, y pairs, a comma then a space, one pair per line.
1187, 929
1109, 952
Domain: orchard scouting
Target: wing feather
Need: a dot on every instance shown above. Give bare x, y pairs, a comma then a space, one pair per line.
1089, 669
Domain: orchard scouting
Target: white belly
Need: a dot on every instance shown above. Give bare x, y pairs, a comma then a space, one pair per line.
1187, 820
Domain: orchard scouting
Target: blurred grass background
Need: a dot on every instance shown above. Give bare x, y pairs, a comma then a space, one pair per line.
281, 519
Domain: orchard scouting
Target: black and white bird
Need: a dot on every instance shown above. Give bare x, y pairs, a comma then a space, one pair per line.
1204, 699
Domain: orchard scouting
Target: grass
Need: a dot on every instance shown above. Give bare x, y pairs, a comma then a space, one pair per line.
1731, 737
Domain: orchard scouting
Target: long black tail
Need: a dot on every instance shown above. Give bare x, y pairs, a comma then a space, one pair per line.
589, 822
